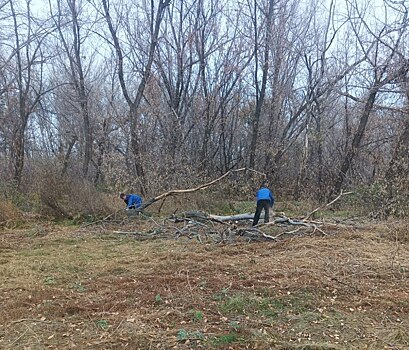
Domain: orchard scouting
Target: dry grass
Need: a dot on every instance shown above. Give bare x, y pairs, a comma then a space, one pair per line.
397, 231
9, 214
88, 288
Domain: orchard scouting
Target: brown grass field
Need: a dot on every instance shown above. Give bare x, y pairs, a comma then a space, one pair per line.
91, 287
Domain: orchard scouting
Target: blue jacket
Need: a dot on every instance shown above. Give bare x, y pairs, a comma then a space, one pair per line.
265, 193
133, 201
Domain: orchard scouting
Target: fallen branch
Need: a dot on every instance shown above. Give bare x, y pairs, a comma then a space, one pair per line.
246, 216
237, 217
326, 205
190, 190
264, 234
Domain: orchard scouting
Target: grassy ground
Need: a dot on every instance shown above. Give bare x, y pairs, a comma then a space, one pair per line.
90, 288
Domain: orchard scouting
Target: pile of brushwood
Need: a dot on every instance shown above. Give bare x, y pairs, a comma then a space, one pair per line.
207, 227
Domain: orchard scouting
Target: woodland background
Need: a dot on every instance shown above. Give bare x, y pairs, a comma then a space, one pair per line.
102, 96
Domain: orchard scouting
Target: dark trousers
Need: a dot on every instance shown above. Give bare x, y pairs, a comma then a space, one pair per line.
262, 204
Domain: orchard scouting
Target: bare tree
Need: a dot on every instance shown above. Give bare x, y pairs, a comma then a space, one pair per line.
73, 45
28, 87
396, 174
155, 19
178, 79
381, 57
223, 57
261, 48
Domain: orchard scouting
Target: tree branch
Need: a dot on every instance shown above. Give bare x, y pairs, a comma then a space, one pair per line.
195, 189
327, 205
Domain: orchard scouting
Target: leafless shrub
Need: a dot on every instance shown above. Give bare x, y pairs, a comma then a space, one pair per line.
65, 196
9, 214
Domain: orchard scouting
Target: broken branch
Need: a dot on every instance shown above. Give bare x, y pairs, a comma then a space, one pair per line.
190, 190
327, 205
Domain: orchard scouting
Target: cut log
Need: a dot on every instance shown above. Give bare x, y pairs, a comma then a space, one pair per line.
237, 217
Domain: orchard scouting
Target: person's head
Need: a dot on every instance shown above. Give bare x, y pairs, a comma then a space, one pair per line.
263, 183
122, 195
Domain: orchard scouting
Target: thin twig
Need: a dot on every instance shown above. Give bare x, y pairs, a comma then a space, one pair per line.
29, 320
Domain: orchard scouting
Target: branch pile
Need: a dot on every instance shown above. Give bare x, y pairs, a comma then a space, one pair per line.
231, 228
204, 226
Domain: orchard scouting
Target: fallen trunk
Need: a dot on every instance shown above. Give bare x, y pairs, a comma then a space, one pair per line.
246, 216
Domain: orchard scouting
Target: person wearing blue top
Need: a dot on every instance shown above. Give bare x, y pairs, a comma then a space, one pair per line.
265, 200
133, 201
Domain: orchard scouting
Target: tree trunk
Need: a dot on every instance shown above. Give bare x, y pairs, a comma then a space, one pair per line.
18, 156
260, 91
356, 142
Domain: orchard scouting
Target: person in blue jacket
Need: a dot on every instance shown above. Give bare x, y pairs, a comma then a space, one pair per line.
133, 201
265, 200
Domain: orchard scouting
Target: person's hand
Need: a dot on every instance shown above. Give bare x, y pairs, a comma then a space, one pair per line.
127, 209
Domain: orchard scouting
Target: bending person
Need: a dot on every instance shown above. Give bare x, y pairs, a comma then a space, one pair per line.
265, 200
